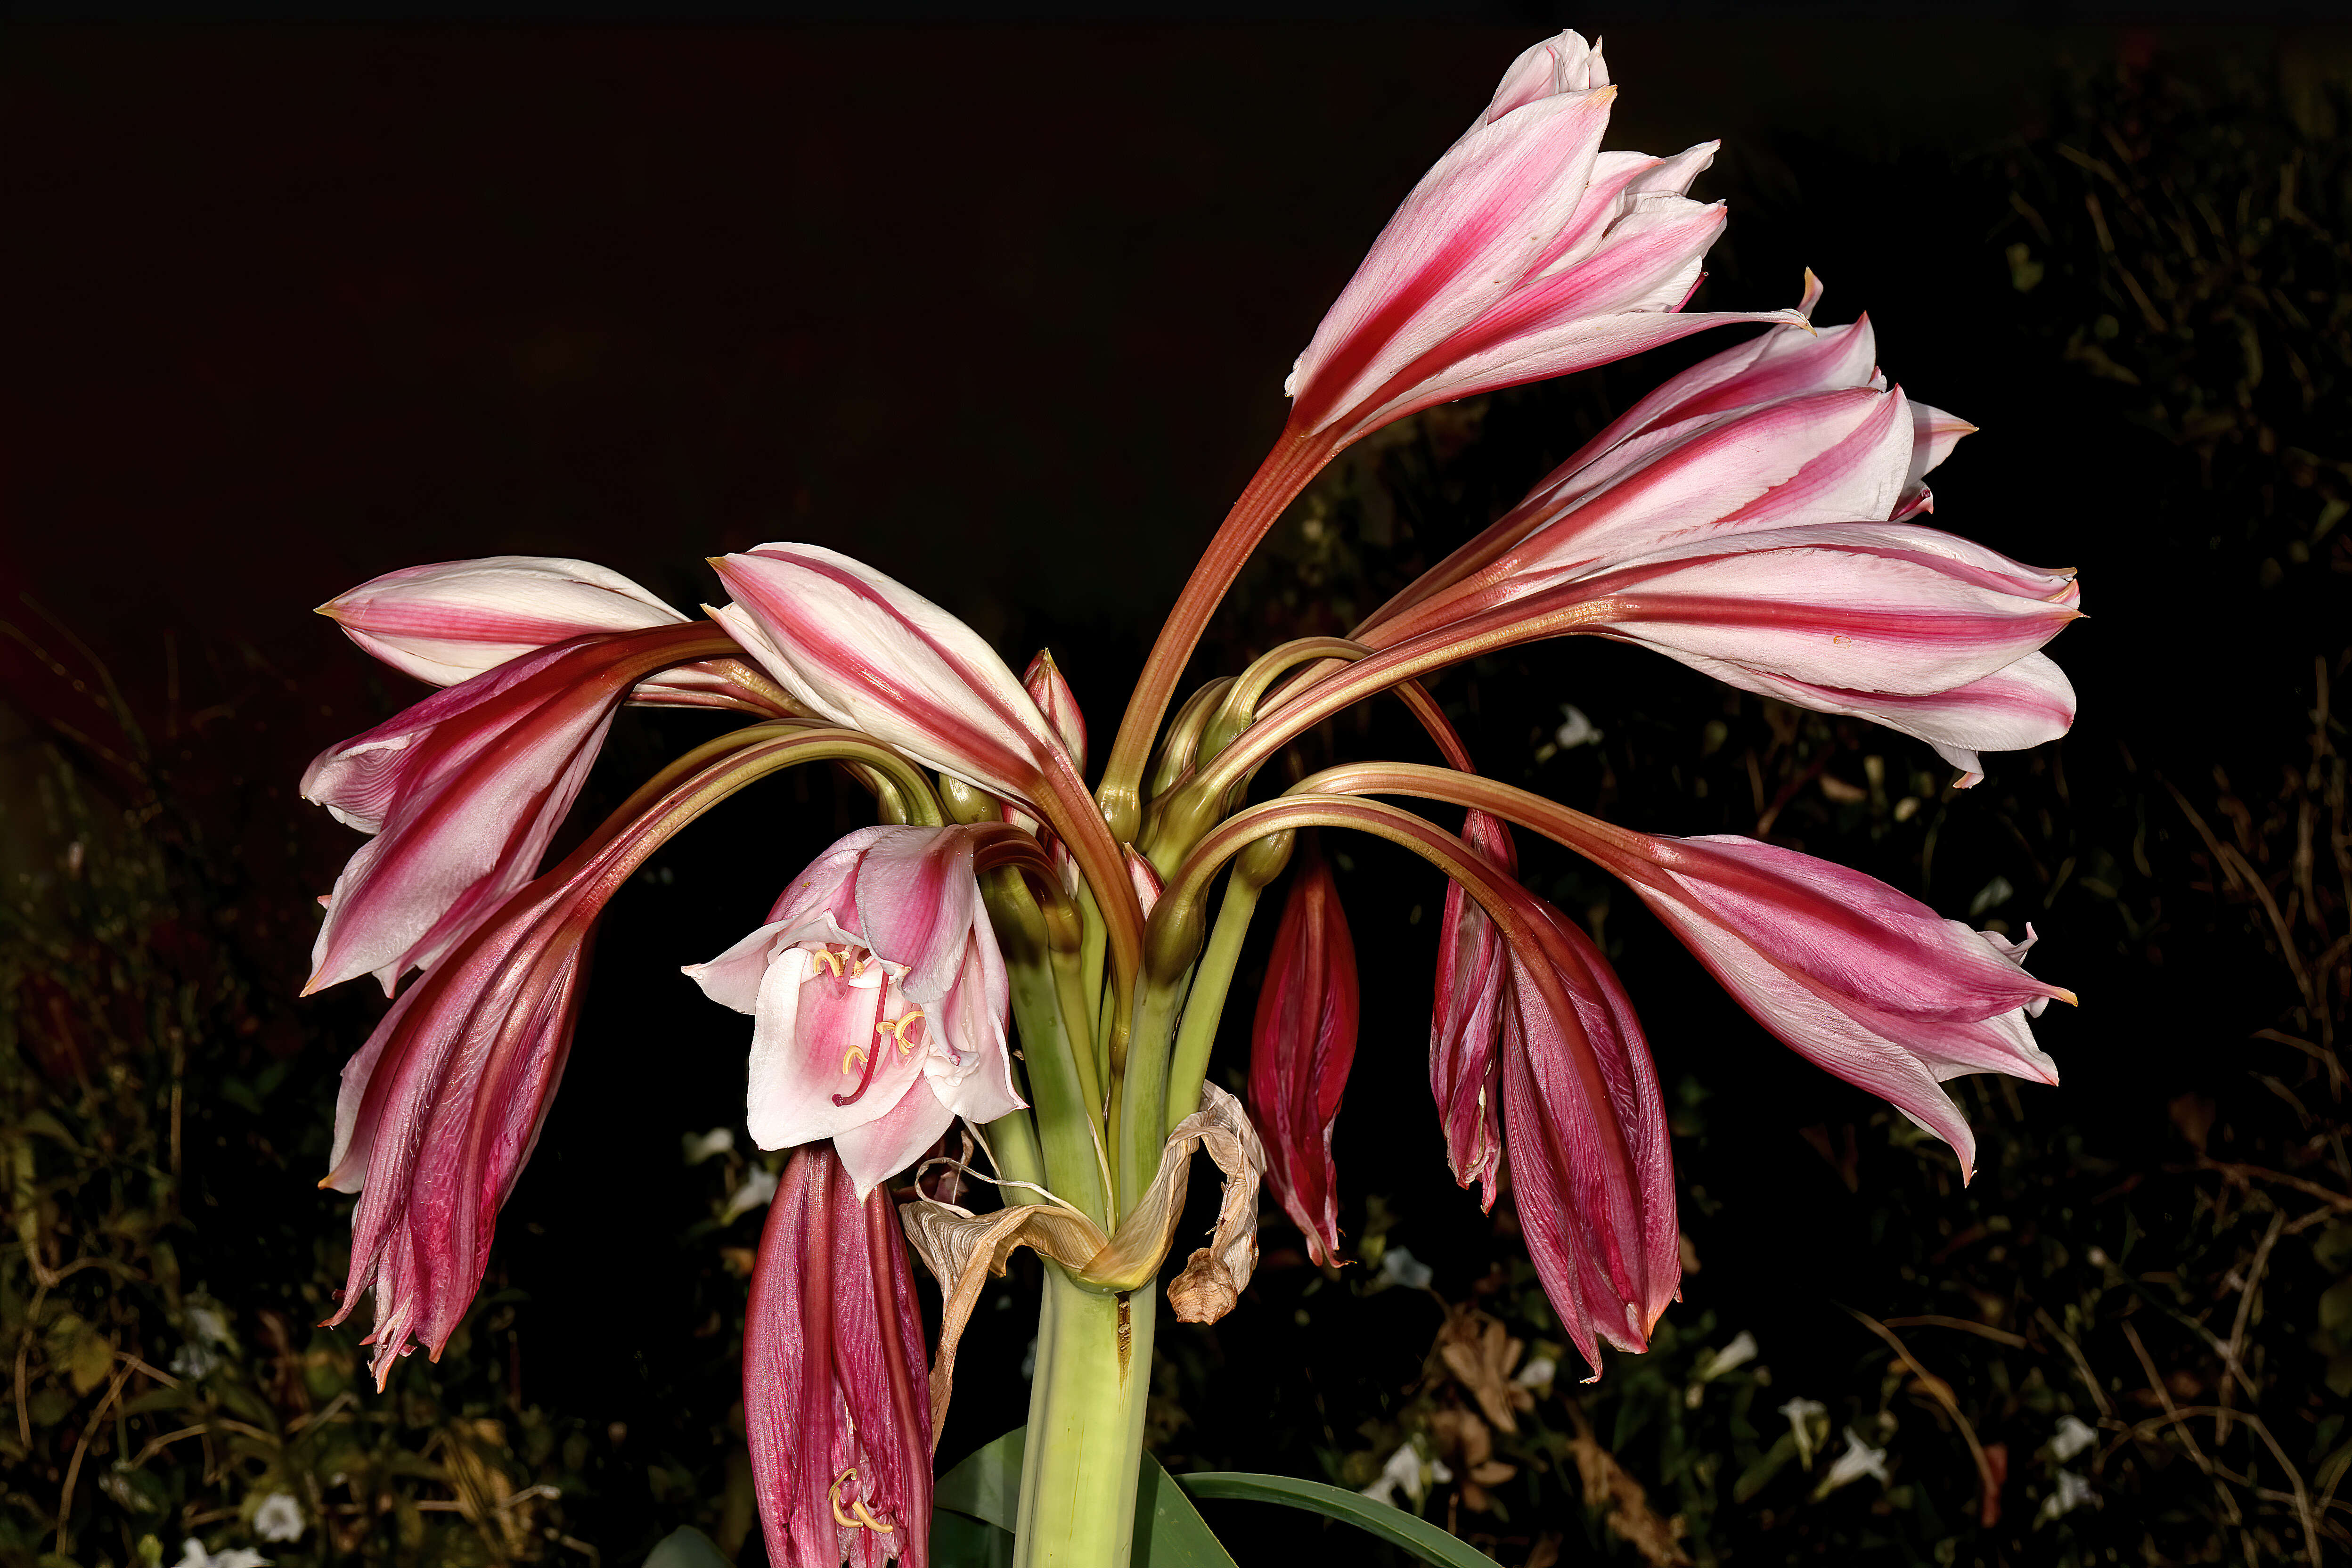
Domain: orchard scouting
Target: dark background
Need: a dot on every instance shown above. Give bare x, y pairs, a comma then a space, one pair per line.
1005, 312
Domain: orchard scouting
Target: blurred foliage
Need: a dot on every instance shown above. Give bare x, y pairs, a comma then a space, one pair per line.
2129, 1340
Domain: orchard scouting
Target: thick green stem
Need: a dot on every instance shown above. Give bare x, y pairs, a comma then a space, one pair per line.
1085, 1447
1212, 979
1142, 1125
1067, 1131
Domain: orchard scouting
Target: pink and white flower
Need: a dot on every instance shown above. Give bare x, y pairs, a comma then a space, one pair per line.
878, 1000
1857, 978
1525, 252
871, 653
464, 791
448, 622
1748, 521
441, 1108
836, 1410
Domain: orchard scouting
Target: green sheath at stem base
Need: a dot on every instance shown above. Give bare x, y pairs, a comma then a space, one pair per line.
1086, 1426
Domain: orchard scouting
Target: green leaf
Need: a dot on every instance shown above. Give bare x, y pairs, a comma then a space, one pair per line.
686, 1548
959, 1541
1394, 1525
987, 1486
1168, 1531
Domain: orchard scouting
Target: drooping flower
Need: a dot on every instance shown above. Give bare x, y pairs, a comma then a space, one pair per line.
464, 791
878, 998
1301, 1046
1585, 1134
1857, 978
836, 1408
441, 1108
1525, 252
1466, 1027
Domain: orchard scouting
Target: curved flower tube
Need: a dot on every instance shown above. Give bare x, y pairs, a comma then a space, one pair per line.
836, 1408
464, 792
1301, 1046
878, 1000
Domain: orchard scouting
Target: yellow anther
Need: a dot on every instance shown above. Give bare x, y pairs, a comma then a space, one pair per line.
853, 1054
832, 1496
872, 1523
825, 958
898, 1028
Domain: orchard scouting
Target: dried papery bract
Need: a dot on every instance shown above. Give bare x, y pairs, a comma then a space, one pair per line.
835, 1407
1301, 1046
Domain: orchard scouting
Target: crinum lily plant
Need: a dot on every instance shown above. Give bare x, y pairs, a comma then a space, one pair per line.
1047, 963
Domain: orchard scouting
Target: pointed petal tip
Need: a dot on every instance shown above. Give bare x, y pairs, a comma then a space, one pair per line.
2060, 994
332, 609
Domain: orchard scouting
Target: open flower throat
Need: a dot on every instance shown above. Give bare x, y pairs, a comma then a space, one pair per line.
1757, 518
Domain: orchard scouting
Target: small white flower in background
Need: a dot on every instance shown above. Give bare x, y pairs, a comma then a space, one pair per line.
208, 1323
1859, 1459
1538, 1375
194, 1555
702, 1146
208, 1334
280, 1518
1713, 1364
1575, 730
1398, 1266
758, 1188
2071, 1438
2073, 1492
194, 1362
1407, 1471
1801, 1415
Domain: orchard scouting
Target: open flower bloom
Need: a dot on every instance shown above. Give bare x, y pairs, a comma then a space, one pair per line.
464, 791
1466, 1024
878, 1000
1301, 1046
1525, 252
835, 1409
1859, 978
1585, 1134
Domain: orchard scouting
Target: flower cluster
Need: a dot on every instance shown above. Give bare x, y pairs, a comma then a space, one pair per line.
1756, 518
